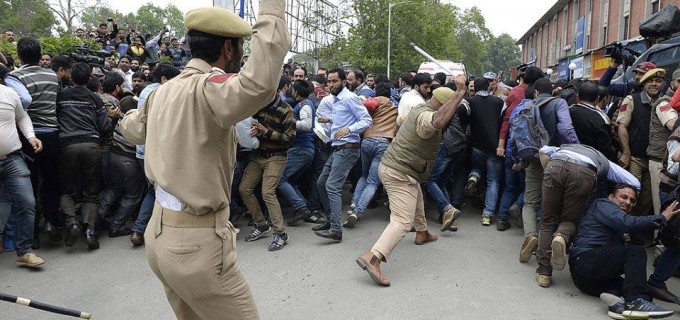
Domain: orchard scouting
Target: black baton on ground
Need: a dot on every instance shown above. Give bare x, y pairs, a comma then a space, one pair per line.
44, 306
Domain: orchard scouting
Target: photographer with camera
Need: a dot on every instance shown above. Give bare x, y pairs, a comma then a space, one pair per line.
619, 55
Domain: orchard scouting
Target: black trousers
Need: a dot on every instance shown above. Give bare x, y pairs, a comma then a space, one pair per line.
44, 167
599, 270
80, 169
126, 186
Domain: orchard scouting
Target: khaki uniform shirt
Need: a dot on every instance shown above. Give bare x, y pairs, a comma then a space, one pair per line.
190, 136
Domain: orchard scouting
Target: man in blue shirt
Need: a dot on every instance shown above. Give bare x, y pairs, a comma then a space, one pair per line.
348, 120
600, 255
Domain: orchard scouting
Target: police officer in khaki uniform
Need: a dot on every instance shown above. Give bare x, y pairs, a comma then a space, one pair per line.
190, 155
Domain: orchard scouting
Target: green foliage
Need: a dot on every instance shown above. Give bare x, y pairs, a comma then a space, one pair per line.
65, 45
502, 53
149, 18
8, 47
26, 17
442, 30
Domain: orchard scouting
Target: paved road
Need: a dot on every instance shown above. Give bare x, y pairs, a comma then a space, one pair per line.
471, 274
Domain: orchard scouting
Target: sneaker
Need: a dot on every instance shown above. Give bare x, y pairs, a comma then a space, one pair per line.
280, 240
30, 260
351, 220
615, 305
528, 247
643, 309
471, 186
316, 217
454, 226
258, 232
352, 209
9, 243
486, 220
543, 280
72, 235
558, 258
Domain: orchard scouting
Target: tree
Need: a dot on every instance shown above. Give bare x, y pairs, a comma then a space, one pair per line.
151, 19
26, 17
502, 53
472, 36
428, 23
95, 15
68, 11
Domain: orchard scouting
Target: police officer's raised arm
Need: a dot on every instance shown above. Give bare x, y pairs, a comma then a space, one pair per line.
233, 98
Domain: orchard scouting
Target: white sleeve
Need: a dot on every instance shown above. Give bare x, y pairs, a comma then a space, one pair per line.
305, 122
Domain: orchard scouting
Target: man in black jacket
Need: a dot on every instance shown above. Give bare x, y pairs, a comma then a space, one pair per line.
82, 120
591, 124
599, 255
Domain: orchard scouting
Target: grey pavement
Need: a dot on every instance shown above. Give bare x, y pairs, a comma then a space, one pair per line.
471, 274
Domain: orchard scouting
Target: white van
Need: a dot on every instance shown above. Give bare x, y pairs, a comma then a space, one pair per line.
453, 69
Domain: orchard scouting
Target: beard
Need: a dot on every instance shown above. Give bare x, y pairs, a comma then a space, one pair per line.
134, 69
335, 90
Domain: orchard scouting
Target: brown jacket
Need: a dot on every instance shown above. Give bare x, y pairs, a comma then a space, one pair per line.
384, 115
191, 139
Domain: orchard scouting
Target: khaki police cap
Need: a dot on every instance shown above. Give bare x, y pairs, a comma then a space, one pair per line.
654, 73
217, 21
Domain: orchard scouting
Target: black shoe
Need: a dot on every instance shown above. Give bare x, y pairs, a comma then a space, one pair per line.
325, 226
91, 239
137, 239
316, 217
300, 214
72, 235
52, 232
119, 232
663, 294
502, 225
328, 234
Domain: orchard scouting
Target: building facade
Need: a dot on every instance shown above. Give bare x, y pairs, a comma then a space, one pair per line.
578, 30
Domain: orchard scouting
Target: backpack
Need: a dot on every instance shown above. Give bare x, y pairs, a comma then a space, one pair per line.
528, 134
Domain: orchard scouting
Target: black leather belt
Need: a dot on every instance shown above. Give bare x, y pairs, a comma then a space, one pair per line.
348, 146
574, 161
271, 153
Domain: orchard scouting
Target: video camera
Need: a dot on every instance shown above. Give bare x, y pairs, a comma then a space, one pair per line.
621, 54
89, 56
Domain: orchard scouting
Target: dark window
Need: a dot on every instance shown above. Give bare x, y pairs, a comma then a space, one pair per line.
626, 27
655, 6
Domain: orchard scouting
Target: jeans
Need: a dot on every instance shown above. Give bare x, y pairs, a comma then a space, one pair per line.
439, 177
236, 204
299, 160
17, 198
44, 167
146, 208
372, 150
321, 153
599, 270
125, 189
331, 181
494, 177
668, 264
514, 189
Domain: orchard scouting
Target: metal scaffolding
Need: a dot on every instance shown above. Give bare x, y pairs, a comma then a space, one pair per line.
313, 24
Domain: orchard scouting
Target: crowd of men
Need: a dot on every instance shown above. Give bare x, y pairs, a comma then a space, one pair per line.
605, 169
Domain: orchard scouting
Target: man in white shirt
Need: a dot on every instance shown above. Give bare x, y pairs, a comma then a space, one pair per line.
15, 178
417, 95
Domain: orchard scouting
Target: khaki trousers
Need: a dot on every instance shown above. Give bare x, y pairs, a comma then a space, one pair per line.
639, 167
269, 172
533, 178
654, 172
407, 206
198, 269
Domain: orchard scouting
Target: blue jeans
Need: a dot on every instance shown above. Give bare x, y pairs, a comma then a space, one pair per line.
17, 199
514, 189
494, 177
668, 263
147, 206
321, 153
439, 177
330, 184
372, 150
299, 160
